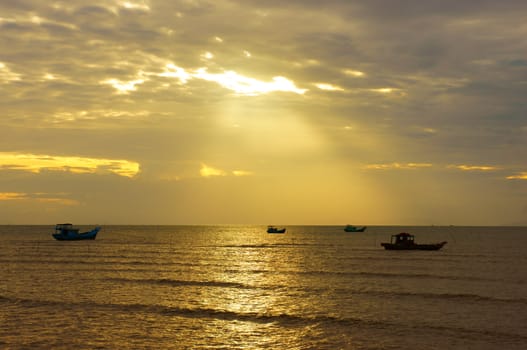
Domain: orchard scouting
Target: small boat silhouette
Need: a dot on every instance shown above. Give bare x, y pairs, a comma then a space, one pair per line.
405, 241
351, 228
272, 229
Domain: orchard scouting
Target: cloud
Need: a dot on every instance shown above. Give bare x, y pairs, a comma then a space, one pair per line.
328, 87
208, 171
520, 176
465, 167
78, 165
231, 80
354, 73
135, 5
37, 197
9, 196
249, 86
170, 70
7, 75
123, 87
390, 166
242, 173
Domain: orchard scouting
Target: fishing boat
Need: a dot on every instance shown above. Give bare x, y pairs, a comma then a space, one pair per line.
406, 241
272, 229
351, 228
66, 232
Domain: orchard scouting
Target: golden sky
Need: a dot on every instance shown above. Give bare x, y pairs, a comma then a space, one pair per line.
263, 112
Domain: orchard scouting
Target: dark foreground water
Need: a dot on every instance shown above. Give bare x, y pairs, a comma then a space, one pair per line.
237, 287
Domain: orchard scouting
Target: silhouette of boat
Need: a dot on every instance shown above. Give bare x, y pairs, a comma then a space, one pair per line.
66, 232
272, 229
405, 241
351, 228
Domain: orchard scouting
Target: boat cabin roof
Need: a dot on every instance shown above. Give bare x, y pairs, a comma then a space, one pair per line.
63, 226
403, 234
402, 238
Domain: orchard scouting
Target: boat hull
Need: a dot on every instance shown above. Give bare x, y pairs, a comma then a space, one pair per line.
355, 229
276, 231
433, 246
72, 236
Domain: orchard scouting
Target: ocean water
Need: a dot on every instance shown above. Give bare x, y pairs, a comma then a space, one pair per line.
237, 287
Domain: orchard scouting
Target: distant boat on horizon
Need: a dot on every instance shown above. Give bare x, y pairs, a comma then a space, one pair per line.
405, 241
351, 228
66, 232
272, 229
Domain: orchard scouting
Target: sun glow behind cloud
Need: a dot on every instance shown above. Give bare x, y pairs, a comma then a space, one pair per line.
135, 5
6, 75
248, 86
9, 196
172, 71
384, 90
389, 166
208, 171
79, 165
328, 87
520, 176
123, 87
242, 173
207, 56
231, 80
465, 167
38, 197
354, 73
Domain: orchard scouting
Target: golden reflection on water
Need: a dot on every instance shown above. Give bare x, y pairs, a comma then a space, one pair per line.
259, 305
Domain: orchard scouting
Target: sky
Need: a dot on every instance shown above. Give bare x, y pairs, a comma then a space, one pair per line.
263, 112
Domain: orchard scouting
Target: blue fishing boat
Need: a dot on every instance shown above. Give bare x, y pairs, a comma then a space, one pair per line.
66, 232
351, 228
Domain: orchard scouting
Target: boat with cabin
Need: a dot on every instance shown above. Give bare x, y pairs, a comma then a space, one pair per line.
66, 232
406, 241
272, 229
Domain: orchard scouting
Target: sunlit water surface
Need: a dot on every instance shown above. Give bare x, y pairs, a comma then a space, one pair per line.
237, 287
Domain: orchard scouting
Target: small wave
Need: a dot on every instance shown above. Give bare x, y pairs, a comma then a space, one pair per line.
95, 262
263, 245
360, 274
460, 296
223, 284
269, 245
201, 313
395, 275
206, 313
283, 319
176, 283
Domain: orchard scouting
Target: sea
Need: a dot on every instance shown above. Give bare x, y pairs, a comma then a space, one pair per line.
238, 287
